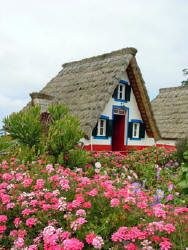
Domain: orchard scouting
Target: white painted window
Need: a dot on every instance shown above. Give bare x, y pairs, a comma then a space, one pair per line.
121, 91
136, 128
101, 127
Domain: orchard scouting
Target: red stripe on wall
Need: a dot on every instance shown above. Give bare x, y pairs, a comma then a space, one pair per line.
109, 147
98, 147
125, 148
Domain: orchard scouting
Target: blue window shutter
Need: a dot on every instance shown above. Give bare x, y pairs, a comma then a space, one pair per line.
142, 130
109, 128
127, 92
115, 94
130, 130
94, 132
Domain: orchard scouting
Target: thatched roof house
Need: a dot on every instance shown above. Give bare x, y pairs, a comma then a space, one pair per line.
87, 87
170, 110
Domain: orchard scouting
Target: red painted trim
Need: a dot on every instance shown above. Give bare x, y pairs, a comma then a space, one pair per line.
125, 148
109, 147
98, 147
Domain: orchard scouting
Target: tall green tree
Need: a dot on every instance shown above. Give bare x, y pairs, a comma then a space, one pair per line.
185, 73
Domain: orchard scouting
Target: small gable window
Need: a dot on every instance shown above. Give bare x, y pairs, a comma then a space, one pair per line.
136, 127
101, 127
122, 92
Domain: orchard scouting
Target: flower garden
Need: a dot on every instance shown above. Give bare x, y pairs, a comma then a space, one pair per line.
112, 202
56, 196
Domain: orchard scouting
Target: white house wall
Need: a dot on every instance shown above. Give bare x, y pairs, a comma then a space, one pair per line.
166, 142
134, 114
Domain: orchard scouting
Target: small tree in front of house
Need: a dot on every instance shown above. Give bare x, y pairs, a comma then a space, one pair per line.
64, 135
25, 126
57, 131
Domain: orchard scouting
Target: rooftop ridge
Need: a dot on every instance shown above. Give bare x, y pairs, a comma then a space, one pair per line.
124, 51
162, 90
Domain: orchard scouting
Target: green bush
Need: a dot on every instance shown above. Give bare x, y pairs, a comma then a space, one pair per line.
183, 183
181, 147
64, 135
5, 142
77, 158
57, 112
24, 126
55, 131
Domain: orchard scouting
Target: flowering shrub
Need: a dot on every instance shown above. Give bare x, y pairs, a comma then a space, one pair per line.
104, 205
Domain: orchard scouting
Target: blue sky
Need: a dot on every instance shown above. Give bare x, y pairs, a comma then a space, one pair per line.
37, 37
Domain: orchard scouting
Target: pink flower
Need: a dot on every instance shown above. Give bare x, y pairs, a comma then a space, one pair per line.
10, 205
89, 238
33, 247
27, 182
142, 204
114, 202
45, 207
93, 192
49, 168
64, 184
51, 240
119, 235
48, 195
26, 211
126, 207
13, 233
5, 198
40, 184
2, 229
19, 243
73, 243
131, 246
65, 235
98, 242
169, 228
78, 223
81, 212
87, 204
17, 221
30, 222
48, 231
3, 218
165, 245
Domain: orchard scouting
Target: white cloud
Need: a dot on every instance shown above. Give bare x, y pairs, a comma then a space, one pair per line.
9, 105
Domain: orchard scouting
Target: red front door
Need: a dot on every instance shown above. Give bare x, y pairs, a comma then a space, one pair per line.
118, 133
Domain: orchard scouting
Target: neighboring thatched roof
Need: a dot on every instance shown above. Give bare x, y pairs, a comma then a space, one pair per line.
86, 86
170, 110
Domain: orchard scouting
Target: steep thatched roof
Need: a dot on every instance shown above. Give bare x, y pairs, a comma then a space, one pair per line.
170, 110
86, 86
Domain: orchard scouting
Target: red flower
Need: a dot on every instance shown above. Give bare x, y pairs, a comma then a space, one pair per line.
156, 238
89, 238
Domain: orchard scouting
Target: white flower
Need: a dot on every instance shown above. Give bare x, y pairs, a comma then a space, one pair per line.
98, 165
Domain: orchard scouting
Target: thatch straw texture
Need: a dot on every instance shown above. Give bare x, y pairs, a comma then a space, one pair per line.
170, 110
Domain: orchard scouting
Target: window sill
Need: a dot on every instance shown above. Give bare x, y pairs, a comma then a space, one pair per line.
100, 137
135, 139
120, 100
